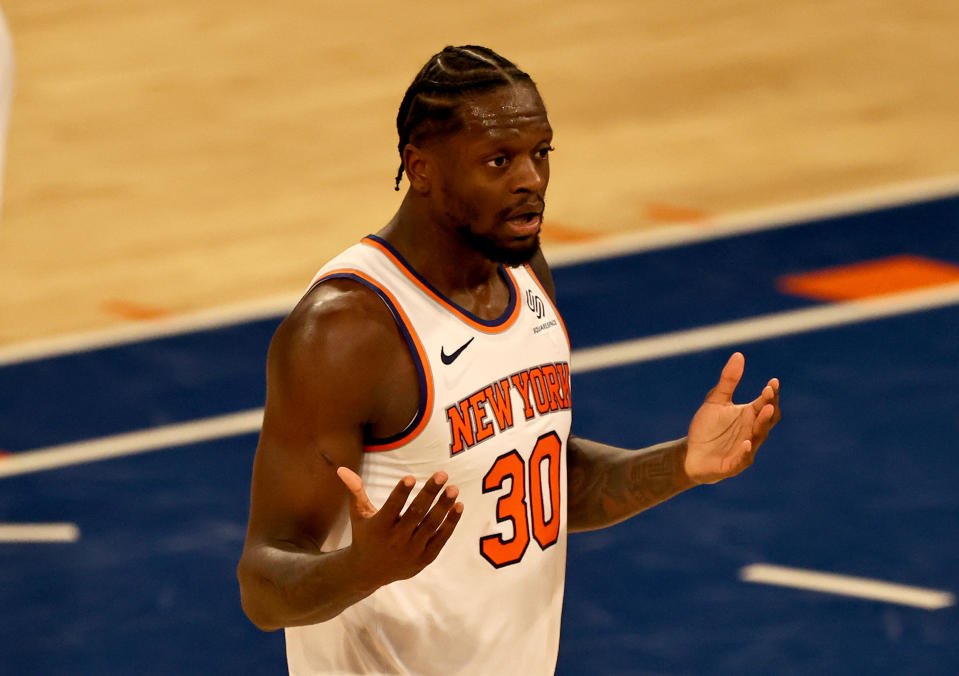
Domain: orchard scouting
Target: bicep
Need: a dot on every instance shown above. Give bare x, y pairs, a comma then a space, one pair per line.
295, 493
318, 401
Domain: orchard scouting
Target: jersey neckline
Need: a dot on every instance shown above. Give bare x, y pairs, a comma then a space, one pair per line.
504, 321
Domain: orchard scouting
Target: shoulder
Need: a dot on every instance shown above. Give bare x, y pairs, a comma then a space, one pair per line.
333, 307
339, 328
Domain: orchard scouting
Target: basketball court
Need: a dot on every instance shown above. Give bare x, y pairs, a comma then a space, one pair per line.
728, 176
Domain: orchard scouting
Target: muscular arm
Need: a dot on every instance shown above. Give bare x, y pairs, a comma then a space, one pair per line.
336, 367
608, 484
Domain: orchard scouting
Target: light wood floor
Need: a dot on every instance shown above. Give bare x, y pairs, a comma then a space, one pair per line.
169, 155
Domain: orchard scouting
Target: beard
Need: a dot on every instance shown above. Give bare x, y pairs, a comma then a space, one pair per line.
462, 214
495, 252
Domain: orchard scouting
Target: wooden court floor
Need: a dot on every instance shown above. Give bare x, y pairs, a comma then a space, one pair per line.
169, 156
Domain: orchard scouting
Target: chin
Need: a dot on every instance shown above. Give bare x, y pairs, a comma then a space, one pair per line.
514, 256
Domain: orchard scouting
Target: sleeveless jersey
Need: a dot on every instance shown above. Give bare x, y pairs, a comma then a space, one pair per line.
495, 415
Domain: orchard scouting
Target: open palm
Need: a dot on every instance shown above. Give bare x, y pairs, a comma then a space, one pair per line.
724, 437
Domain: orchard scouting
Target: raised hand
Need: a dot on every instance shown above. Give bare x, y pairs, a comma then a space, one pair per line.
389, 545
723, 436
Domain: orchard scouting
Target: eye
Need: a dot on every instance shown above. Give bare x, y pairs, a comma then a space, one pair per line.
499, 161
543, 153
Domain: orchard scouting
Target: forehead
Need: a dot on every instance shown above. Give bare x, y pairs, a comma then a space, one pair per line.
507, 111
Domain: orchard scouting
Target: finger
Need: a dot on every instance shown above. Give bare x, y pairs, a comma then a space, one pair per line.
777, 414
743, 458
394, 503
731, 374
421, 503
427, 527
774, 400
359, 500
765, 397
765, 416
763, 423
443, 533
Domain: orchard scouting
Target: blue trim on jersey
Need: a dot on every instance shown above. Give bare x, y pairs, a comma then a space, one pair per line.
405, 330
491, 323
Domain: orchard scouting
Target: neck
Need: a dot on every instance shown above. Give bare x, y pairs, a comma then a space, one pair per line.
436, 252
459, 272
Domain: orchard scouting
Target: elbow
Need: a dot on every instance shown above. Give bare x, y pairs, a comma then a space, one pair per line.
257, 615
253, 598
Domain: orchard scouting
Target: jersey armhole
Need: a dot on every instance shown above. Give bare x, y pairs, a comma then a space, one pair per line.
417, 352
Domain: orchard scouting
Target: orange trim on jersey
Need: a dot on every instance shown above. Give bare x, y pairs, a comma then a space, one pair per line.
464, 315
532, 273
425, 410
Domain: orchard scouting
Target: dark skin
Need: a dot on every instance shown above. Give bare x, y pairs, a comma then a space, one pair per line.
338, 367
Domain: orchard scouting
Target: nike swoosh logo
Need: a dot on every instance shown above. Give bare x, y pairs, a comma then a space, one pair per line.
450, 358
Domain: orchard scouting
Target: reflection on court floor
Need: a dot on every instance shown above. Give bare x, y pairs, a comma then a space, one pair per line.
129, 568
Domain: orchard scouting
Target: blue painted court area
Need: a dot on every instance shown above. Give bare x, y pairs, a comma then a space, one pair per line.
150, 587
859, 478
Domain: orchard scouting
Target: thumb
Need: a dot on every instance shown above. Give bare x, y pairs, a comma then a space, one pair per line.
359, 501
728, 380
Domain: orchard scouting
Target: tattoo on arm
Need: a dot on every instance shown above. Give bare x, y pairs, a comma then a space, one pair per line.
608, 485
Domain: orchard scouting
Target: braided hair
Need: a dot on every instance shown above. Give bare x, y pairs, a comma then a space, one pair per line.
430, 104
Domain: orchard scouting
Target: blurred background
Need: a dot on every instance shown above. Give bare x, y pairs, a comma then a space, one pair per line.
169, 158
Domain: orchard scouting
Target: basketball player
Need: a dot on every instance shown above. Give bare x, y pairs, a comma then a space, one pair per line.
415, 477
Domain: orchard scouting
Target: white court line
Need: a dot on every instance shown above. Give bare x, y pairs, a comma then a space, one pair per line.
755, 221
132, 443
39, 532
618, 354
558, 255
762, 328
226, 315
845, 585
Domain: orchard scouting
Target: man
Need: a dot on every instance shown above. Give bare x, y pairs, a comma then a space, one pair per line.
430, 361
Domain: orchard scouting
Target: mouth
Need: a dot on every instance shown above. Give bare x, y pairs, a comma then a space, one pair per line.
525, 223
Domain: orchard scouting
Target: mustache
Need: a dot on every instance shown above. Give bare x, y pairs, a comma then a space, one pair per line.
526, 207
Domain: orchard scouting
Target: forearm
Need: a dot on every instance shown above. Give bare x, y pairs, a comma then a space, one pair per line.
291, 587
609, 484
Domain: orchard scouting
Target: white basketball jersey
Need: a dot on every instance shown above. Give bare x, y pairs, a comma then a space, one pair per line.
495, 415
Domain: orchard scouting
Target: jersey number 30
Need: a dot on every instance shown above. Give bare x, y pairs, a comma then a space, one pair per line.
544, 462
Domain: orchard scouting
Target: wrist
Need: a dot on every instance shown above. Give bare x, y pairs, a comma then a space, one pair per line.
358, 577
684, 478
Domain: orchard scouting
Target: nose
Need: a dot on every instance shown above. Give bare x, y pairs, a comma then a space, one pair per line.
530, 175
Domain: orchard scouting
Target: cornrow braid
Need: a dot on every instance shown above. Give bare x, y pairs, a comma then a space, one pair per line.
430, 104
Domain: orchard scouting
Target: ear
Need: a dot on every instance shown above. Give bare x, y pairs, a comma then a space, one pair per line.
419, 166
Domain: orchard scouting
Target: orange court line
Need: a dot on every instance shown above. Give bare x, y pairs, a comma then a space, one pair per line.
661, 212
561, 233
136, 311
870, 278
